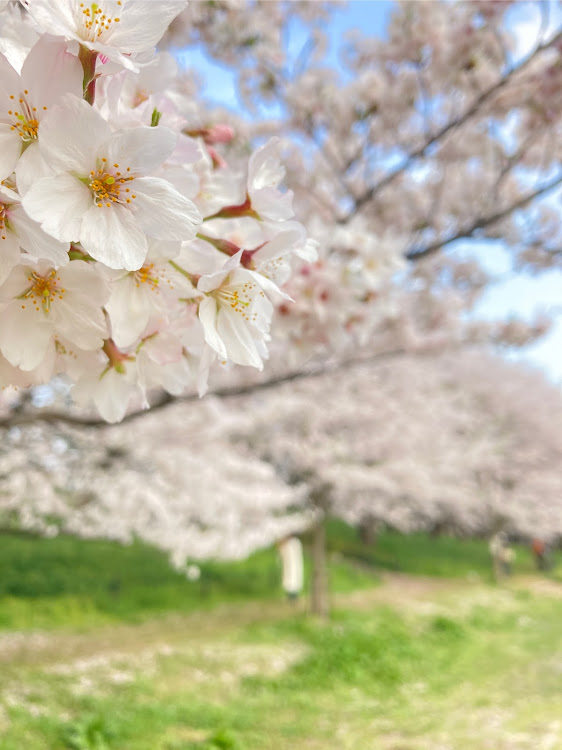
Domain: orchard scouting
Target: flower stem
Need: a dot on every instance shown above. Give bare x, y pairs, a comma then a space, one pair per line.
190, 276
88, 59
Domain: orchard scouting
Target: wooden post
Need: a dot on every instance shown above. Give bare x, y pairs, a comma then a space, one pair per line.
319, 593
368, 530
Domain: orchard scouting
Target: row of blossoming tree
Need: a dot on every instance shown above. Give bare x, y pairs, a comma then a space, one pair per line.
148, 244
462, 443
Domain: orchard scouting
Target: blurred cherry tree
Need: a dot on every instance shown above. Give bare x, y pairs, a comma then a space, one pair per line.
356, 232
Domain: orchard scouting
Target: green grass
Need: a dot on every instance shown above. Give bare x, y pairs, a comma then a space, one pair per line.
485, 677
49, 583
462, 664
423, 554
66, 582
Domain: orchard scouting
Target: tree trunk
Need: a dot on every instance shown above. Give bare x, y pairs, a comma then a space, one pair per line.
319, 598
368, 531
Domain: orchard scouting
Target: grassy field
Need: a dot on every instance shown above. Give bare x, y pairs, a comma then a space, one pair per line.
67, 582
408, 661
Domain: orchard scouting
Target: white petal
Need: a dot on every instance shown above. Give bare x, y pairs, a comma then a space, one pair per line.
265, 168
80, 320
71, 136
208, 317
142, 149
142, 24
272, 204
16, 283
113, 394
31, 168
25, 335
9, 254
7, 195
9, 85
10, 150
128, 311
53, 16
291, 235
112, 54
49, 72
212, 281
37, 242
269, 286
237, 336
59, 205
112, 235
86, 278
164, 213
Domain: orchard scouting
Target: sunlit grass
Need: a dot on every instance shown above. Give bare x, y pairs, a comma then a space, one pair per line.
477, 676
66, 582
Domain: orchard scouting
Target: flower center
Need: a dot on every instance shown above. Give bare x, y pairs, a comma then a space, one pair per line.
146, 275
238, 298
43, 290
95, 21
24, 119
3, 220
108, 184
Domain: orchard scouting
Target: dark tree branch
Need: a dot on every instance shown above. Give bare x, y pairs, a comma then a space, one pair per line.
47, 416
451, 125
481, 223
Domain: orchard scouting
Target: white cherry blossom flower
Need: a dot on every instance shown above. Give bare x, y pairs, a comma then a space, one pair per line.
236, 313
18, 232
38, 303
265, 172
48, 73
161, 363
138, 295
12, 376
99, 194
111, 389
117, 29
17, 36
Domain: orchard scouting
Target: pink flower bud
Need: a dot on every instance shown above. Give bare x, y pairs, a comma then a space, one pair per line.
219, 134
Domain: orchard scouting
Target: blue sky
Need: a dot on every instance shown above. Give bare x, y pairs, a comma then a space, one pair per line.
514, 294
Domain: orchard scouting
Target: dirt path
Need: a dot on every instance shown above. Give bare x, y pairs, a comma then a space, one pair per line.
419, 594
405, 591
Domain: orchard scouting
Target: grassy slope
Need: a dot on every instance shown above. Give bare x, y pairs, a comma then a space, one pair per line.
423, 554
66, 582
465, 666
413, 664
69, 582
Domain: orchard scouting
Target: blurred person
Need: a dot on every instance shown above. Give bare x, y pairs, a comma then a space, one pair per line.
502, 555
290, 550
540, 553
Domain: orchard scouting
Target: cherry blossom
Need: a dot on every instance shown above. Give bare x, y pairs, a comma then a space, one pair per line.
48, 72
95, 169
265, 172
39, 303
427, 137
18, 232
188, 503
117, 29
463, 442
153, 290
236, 312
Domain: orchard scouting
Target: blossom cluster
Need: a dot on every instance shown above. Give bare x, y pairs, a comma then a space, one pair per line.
463, 442
422, 144
132, 256
156, 479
